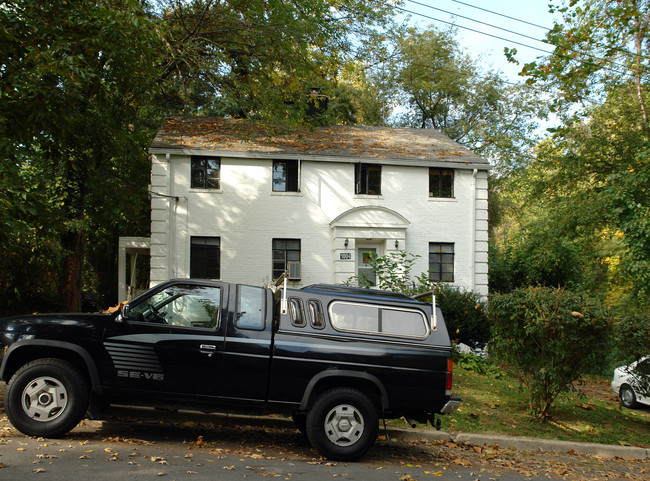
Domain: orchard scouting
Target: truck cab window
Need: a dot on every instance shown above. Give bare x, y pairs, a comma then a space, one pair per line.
250, 308
181, 305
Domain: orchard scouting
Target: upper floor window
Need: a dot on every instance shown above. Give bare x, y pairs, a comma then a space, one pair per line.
441, 182
285, 176
205, 257
367, 179
286, 257
206, 173
441, 262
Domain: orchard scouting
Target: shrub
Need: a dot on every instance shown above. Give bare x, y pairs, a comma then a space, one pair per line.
633, 338
463, 311
536, 256
393, 273
548, 338
465, 315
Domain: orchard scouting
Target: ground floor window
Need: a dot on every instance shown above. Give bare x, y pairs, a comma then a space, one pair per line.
205, 257
286, 257
441, 262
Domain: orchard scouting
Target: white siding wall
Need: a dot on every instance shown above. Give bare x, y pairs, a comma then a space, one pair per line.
247, 215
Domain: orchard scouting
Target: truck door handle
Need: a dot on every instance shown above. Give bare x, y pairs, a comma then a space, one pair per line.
208, 349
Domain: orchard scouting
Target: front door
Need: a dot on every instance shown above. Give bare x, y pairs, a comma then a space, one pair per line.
364, 268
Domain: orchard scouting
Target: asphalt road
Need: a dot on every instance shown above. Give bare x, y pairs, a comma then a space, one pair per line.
136, 444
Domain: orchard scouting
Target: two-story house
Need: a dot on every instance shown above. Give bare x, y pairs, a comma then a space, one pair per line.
229, 201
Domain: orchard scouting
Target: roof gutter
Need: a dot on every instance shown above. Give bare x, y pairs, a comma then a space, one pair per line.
474, 163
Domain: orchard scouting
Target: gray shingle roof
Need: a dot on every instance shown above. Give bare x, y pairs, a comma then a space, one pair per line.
239, 138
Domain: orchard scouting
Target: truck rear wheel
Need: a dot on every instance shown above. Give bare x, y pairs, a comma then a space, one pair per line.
342, 425
46, 397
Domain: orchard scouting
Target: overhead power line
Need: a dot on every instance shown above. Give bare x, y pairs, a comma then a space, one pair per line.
599, 44
472, 29
476, 21
502, 15
502, 38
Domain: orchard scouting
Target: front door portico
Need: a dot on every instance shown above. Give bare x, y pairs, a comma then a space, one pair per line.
362, 230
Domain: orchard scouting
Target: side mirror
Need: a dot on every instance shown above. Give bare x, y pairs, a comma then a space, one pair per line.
124, 314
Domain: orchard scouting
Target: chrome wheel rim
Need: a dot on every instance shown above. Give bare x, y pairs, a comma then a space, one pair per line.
627, 396
44, 399
344, 425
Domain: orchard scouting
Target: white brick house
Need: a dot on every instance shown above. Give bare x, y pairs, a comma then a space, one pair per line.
228, 201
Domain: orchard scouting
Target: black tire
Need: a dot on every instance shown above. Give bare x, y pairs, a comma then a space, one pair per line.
46, 397
628, 398
342, 425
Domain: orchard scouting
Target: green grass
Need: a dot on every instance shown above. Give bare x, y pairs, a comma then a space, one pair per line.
500, 406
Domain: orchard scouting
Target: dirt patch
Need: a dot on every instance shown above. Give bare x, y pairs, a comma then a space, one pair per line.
599, 389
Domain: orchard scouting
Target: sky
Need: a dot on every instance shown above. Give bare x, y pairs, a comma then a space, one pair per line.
488, 50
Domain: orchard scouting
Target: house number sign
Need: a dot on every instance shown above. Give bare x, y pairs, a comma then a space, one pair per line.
345, 256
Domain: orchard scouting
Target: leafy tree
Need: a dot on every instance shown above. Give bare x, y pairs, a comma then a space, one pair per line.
599, 46
537, 253
355, 100
439, 86
75, 89
591, 177
259, 59
83, 86
548, 338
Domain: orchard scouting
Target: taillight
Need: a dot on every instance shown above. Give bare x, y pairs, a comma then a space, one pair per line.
450, 371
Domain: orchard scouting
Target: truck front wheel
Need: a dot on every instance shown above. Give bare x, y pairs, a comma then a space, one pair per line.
342, 425
46, 397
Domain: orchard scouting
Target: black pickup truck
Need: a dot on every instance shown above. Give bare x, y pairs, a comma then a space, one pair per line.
337, 359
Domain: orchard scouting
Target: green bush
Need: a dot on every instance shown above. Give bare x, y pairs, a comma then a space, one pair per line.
548, 338
463, 311
393, 273
465, 315
472, 362
535, 256
632, 338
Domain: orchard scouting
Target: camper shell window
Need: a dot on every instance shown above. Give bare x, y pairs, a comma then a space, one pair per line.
374, 319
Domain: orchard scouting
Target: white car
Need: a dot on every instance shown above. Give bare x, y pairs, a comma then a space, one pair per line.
632, 383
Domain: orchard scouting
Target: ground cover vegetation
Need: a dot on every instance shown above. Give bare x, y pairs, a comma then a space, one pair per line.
84, 86
494, 402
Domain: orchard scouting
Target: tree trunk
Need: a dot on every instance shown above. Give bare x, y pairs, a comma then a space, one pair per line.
70, 287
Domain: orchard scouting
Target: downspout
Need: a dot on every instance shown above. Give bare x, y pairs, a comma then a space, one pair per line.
170, 231
473, 235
